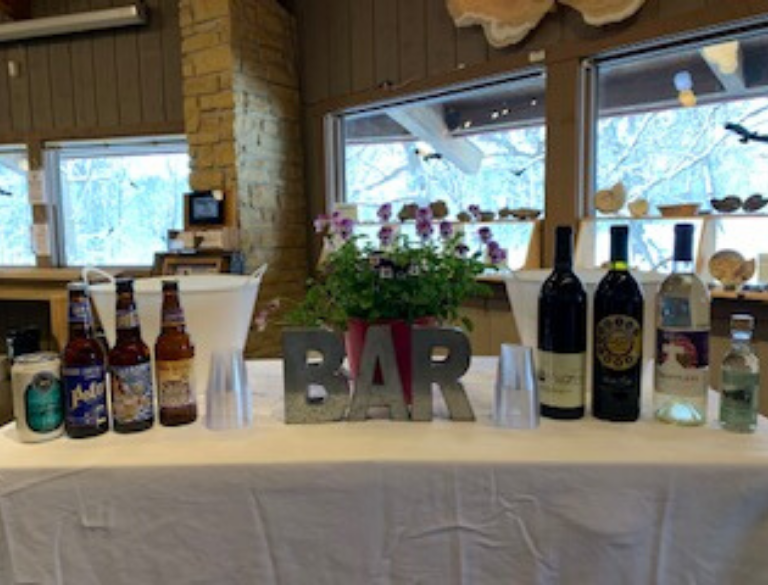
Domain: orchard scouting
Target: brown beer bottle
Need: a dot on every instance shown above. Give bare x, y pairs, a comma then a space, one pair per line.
130, 368
83, 370
174, 362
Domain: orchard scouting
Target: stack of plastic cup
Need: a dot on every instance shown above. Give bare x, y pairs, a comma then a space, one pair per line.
228, 399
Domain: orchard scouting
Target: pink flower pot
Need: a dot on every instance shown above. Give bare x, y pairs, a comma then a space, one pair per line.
401, 339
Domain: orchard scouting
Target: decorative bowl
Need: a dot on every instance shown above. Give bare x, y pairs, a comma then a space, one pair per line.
526, 213
679, 209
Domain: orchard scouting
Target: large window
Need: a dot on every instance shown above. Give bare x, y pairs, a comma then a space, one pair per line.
688, 125
118, 200
15, 209
481, 146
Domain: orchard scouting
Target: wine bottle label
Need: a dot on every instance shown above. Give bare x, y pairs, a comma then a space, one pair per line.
85, 396
132, 393
562, 379
175, 383
682, 362
618, 342
126, 319
43, 403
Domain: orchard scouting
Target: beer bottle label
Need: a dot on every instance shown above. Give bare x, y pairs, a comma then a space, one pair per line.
85, 397
132, 393
43, 403
175, 381
126, 319
173, 317
79, 312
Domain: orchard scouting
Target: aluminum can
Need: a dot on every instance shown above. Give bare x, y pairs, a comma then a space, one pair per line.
38, 403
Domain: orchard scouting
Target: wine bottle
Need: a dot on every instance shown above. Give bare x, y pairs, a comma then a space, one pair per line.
618, 338
681, 376
740, 381
562, 340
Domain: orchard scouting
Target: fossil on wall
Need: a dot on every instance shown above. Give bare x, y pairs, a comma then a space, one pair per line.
506, 22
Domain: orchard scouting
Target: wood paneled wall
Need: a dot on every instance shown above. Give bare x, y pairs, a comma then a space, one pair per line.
363, 46
101, 84
358, 52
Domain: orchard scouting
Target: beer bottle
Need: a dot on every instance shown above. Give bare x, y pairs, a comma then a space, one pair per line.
83, 370
174, 360
130, 368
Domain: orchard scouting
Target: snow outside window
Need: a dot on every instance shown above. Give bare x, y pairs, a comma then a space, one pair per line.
15, 210
118, 201
671, 127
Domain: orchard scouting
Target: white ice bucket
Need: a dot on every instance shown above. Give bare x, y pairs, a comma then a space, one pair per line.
523, 290
218, 309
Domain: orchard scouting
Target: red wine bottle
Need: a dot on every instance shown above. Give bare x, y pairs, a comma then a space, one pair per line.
618, 338
562, 340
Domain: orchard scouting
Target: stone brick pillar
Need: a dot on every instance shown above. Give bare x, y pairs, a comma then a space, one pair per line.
242, 116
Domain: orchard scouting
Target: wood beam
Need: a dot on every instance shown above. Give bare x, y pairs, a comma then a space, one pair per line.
428, 124
724, 59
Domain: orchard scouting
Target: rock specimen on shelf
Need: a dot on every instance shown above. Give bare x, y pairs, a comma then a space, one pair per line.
754, 203
727, 204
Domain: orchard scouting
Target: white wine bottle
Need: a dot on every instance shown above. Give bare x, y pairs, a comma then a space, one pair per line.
682, 340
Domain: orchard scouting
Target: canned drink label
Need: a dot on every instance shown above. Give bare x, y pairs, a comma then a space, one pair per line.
132, 393
43, 403
85, 395
175, 380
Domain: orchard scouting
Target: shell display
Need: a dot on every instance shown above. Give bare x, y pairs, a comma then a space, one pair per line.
730, 268
638, 207
611, 200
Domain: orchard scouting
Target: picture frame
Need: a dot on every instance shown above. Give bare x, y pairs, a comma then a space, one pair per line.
204, 209
181, 264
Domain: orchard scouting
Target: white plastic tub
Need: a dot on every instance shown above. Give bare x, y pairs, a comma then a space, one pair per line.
218, 309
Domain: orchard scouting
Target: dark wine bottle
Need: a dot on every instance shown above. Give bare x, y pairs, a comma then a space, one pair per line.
562, 335
618, 338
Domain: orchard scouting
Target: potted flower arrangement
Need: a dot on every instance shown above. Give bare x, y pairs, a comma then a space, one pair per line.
396, 281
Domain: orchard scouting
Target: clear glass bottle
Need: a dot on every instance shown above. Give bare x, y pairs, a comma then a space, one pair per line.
681, 380
740, 379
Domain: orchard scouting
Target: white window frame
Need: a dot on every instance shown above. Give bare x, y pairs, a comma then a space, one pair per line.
56, 152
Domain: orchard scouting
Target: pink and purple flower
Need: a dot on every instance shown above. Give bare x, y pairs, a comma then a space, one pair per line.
424, 228
446, 229
385, 212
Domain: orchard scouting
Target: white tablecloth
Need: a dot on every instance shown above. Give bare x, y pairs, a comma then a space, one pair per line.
379, 502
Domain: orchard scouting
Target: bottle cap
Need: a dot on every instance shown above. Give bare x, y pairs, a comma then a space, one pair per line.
170, 284
742, 322
619, 238
77, 286
683, 242
563, 245
124, 285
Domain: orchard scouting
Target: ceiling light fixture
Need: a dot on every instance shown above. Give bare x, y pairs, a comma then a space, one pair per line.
78, 22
